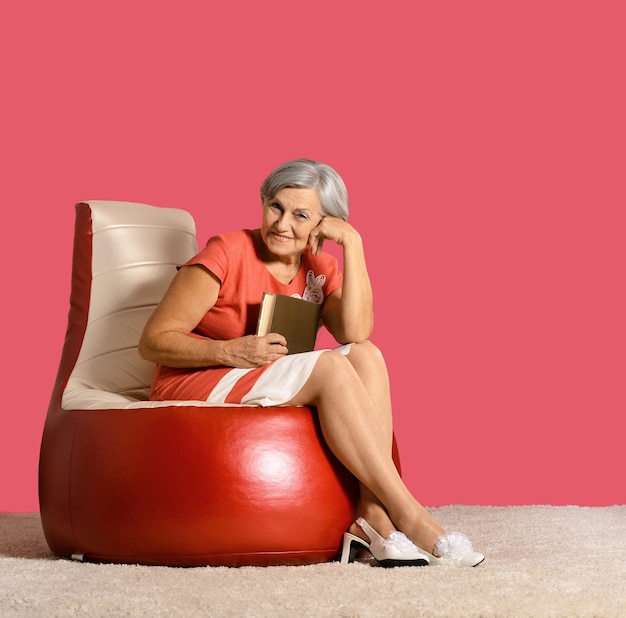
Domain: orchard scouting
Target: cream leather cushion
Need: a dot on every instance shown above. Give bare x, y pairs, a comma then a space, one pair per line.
135, 251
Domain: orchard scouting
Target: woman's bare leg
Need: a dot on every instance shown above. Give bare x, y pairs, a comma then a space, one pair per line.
370, 366
360, 438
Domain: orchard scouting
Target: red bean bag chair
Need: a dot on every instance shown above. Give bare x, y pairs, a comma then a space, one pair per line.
126, 480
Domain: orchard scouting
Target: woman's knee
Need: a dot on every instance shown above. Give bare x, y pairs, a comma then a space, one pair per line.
332, 372
333, 363
366, 352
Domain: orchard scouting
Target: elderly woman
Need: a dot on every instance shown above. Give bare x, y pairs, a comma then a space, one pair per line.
201, 337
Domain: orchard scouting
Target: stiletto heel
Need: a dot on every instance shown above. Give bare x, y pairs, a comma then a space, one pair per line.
351, 545
394, 551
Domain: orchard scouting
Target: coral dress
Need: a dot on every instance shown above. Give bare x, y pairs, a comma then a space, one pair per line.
234, 259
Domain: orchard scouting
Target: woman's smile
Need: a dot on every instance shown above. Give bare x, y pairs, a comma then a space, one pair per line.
280, 237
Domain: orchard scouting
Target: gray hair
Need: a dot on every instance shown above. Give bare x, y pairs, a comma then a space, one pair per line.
308, 174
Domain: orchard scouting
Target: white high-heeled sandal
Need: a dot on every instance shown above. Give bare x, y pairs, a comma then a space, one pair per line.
394, 551
455, 549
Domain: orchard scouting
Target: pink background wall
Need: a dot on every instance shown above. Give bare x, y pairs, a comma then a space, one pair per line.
483, 143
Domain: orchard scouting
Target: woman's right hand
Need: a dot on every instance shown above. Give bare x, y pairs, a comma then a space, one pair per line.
168, 335
253, 350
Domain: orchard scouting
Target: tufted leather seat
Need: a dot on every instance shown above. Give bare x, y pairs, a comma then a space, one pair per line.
123, 479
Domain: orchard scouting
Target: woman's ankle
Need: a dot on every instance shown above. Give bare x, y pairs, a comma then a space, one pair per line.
422, 529
376, 517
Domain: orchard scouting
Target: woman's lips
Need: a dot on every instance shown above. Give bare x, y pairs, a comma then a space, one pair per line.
280, 237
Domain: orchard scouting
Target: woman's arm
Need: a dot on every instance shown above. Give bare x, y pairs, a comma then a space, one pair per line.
348, 313
167, 339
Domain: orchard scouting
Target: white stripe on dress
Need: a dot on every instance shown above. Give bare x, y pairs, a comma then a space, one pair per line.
277, 384
222, 389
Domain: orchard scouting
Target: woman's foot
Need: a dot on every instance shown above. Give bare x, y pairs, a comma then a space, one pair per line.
455, 549
393, 551
443, 548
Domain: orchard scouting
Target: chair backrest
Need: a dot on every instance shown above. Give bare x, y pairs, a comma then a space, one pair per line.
133, 256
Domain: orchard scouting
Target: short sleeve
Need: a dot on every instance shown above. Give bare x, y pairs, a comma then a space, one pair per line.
213, 257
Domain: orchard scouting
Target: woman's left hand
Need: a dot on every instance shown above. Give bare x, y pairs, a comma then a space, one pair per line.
348, 311
331, 228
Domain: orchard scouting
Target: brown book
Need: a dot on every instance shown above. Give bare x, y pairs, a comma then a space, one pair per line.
294, 318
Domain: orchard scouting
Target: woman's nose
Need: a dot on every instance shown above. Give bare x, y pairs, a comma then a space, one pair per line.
282, 221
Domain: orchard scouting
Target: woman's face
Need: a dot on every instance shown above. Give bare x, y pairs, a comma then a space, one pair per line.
288, 219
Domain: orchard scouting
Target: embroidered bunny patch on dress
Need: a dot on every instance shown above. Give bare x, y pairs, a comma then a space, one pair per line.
313, 291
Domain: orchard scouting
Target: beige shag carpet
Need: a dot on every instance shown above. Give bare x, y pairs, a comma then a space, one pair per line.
541, 561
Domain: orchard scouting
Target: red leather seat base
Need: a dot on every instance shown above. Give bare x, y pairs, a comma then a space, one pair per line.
191, 486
